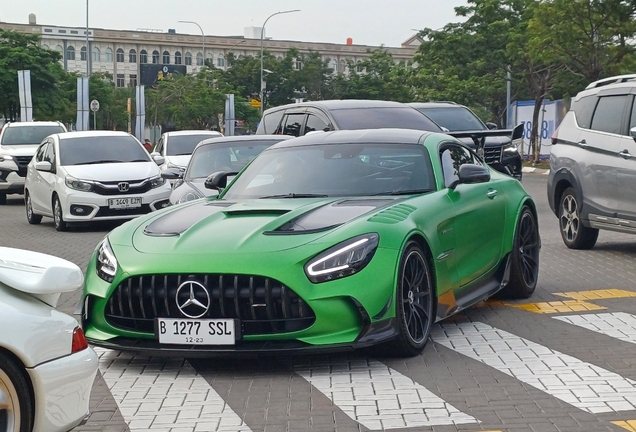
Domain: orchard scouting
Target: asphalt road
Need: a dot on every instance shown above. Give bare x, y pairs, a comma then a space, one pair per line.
562, 361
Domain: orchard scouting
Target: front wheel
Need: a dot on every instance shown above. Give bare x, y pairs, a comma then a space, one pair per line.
524, 265
33, 218
575, 235
58, 215
414, 302
3, 198
16, 407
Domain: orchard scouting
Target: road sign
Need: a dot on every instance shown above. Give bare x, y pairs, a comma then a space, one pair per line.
94, 105
256, 103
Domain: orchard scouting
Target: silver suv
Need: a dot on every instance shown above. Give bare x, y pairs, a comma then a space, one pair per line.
18, 143
592, 181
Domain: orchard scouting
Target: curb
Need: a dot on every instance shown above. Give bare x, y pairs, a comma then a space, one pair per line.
535, 170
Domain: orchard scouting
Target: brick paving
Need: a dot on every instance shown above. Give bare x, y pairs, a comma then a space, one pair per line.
290, 395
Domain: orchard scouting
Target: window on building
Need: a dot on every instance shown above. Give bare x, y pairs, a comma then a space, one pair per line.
70, 53
199, 59
120, 80
143, 56
155, 57
188, 59
83, 54
133, 80
96, 55
74, 32
343, 66
108, 55
177, 57
220, 62
299, 63
334, 66
359, 66
46, 47
120, 55
132, 56
166, 57
59, 49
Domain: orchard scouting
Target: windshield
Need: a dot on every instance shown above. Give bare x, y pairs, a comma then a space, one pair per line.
376, 118
28, 135
184, 144
227, 156
103, 149
454, 118
335, 170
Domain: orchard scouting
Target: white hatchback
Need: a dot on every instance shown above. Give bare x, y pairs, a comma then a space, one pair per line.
176, 147
91, 176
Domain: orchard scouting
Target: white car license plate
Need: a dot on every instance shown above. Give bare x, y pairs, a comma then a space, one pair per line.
124, 203
196, 331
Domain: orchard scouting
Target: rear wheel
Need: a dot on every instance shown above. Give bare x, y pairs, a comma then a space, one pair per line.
414, 302
16, 407
58, 215
3, 198
31, 217
575, 235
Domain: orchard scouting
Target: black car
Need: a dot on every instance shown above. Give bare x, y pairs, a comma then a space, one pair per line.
306, 117
501, 152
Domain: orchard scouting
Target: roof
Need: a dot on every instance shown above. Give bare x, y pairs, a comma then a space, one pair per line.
240, 138
337, 104
377, 136
91, 134
33, 123
440, 104
193, 132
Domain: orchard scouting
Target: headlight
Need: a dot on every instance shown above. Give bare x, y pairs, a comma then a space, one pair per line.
155, 182
189, 196
106, 262
342, 260
512, 147
79, 185
5, 158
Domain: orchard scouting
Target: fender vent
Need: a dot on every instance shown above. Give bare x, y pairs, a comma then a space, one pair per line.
393, 214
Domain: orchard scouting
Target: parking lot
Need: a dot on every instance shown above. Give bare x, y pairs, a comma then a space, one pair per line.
561, 361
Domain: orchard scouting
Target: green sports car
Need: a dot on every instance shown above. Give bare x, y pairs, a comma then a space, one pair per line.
335, 240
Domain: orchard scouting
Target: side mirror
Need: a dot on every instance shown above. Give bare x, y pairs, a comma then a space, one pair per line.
470, 173
632, 133
491, 125
517, 132
172, 174
159, 160
218, 180
44, 166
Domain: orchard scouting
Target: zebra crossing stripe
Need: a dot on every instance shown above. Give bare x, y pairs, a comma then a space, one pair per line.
161, 395
583, 385
619, 325
377, 396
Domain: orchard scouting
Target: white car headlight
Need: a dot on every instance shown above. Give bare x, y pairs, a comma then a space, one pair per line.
189, 196
80, 185
512, 147
342, 260
106, 264
155, 182
5, 158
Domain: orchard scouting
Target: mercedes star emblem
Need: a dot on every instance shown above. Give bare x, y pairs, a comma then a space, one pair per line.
189, 304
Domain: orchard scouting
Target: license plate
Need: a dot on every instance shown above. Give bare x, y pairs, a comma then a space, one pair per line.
196, 332
124, 203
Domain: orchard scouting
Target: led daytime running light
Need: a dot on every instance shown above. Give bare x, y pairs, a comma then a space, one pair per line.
312, 272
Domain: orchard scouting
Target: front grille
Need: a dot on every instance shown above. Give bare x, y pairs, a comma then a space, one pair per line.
105, 211
111, 188
492, 155
263, 305
22, 162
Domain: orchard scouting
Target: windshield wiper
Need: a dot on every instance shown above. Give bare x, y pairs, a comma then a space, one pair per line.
139, 160
98, 162
404, 192
295, 195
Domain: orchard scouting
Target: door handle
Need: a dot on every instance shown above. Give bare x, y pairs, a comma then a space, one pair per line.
582, 143
492, 193
625, 154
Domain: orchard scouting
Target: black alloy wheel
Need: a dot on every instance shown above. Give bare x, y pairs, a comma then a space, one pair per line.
575, 235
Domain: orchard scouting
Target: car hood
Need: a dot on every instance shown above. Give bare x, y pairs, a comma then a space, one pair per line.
181, 161
248, 226
19, 150
114, 171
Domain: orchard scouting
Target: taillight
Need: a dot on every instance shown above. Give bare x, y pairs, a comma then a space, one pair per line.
79, 341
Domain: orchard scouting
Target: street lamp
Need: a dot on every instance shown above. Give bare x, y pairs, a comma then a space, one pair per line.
262, 30
202, 37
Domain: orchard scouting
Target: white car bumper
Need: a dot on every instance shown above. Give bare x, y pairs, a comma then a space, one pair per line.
62, 391
87, 206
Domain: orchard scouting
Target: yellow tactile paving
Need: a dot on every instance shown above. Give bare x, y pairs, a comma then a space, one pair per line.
558, 307
597, 294
629, 425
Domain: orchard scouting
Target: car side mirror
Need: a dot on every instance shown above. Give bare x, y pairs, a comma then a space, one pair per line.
218, 180
44, 166
517, 132
491, 125
159, 160
471, 173
632, 133
172, 174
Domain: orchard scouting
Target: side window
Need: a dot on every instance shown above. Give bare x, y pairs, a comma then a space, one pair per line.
452, 157
293, 123
583, 109
39, 155
632, 121
159, 146
270, 122
49, 154
608, 115
315, 124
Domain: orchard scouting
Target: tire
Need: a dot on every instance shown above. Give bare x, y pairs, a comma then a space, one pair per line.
33, 218
58, 215
16, 405
524, 265
575, 235
3, 198
414, 303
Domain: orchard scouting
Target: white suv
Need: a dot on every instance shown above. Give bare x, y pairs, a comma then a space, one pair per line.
592, 182
18, 142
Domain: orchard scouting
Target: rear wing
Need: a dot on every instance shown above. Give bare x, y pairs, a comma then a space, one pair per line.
479, 136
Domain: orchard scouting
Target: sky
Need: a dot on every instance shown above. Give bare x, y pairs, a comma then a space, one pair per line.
367, 22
